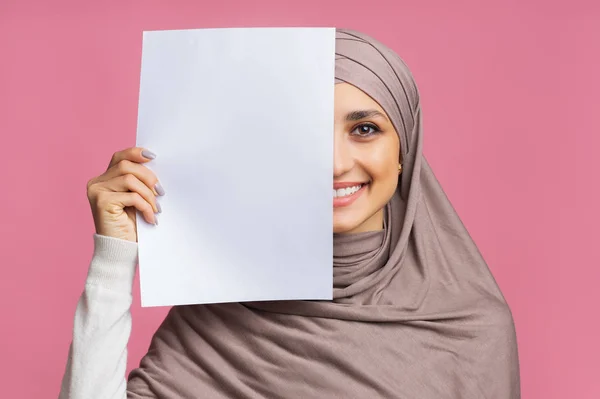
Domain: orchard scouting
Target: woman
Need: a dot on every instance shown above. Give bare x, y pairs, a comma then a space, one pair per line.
416, 312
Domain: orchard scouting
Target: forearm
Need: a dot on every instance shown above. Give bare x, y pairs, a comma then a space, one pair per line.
97, 360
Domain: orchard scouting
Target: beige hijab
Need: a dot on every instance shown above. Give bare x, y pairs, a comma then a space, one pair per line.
416, 312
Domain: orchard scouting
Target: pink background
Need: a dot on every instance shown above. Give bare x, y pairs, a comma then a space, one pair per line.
510, 97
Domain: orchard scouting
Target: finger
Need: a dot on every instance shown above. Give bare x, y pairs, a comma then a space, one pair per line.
133, 154
131, 183
126, 167
137, 201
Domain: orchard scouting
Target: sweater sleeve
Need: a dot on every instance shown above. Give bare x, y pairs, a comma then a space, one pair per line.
97, 358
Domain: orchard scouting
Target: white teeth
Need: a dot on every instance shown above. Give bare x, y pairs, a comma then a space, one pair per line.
344, 192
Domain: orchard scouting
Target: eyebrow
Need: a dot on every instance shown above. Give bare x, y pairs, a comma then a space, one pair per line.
364, 114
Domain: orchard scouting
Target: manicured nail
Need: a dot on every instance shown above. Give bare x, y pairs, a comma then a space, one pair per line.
155, 220
148, 154
159, 189
158, 207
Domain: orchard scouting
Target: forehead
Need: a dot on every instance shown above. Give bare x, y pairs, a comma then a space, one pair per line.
350, 98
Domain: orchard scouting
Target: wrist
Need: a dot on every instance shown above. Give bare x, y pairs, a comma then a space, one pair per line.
113, 263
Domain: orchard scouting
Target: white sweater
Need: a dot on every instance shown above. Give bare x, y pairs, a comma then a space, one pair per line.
97, 361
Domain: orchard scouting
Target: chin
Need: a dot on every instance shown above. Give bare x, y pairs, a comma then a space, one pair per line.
344, 226
359, 221
340, 229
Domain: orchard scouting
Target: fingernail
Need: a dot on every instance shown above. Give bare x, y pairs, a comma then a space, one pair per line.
148, 154
158, 207
159, 189
155, 220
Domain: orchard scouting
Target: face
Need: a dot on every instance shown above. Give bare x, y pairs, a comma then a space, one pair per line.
366, 157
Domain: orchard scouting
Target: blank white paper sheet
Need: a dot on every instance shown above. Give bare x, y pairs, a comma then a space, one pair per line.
241, 120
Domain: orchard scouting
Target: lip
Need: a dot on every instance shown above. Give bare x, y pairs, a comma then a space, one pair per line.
345, 201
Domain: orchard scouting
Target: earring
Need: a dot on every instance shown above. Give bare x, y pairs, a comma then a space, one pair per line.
399, 168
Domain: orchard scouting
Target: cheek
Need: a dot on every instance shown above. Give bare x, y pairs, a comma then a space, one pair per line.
382, 159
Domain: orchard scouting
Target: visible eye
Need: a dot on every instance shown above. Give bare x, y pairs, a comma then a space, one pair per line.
366, 130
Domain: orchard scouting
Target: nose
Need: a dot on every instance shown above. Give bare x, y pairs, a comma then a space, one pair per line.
342, 156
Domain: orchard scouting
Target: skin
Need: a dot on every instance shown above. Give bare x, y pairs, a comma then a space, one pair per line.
366, 150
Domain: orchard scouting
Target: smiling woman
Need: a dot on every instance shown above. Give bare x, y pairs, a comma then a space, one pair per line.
415, 313
366, 159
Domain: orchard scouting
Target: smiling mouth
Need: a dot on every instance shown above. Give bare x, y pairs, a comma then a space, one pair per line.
347, 191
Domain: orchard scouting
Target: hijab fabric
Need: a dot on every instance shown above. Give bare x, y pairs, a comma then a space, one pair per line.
416, 311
